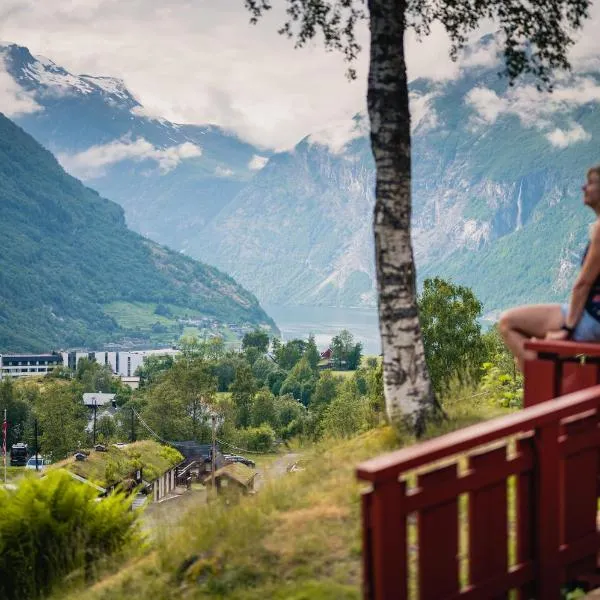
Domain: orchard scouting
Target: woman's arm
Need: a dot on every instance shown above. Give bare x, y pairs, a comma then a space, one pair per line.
588, 274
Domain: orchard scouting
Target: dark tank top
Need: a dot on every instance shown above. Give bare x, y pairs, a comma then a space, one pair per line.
592, 304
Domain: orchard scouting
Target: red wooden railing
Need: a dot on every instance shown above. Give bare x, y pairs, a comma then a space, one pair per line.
509, 504
560, 368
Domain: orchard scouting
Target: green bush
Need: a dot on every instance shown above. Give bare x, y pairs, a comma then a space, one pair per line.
53, 526
257, 439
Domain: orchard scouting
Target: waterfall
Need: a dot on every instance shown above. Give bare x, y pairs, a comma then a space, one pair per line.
519, 223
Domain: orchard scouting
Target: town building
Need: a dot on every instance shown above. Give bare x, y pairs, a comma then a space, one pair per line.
28, 365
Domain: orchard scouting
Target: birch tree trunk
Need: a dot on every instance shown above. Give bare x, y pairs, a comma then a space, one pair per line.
409, 395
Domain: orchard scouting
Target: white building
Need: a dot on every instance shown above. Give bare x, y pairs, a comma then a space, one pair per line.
122, 363
28, 365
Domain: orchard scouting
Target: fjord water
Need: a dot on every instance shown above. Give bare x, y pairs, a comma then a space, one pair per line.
324, 322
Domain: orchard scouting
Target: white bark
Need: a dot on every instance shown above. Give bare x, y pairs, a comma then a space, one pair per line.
408, 392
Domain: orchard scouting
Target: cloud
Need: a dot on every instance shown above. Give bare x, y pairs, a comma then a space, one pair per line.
340, 133
257, 162
486, 103
14, 100
202, 62
93, 162
562, 138
422, 114
223, 172
534, 108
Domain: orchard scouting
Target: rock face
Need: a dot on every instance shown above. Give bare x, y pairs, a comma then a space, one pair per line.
496, 185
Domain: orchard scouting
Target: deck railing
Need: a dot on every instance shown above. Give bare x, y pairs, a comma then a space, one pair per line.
509, 504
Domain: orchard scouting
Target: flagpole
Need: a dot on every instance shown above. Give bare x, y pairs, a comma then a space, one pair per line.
4, 431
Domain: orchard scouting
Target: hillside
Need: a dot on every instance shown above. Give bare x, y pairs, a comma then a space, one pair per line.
298, 538
171, 179
497, 172
66, 258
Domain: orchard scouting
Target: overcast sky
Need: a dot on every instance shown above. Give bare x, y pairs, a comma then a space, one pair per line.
200, 61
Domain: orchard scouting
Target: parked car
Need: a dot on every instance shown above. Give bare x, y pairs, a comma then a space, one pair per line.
232, 458
41, 462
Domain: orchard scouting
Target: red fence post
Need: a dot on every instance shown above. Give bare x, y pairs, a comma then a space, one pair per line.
548, 505
526, 523
367, 545
388, 538
438, 539
488, 522
540, 384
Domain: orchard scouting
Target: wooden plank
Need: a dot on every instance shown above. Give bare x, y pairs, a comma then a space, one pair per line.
391, 465
578, 377
548, 485
564, 348
540, 381
525, 515
419, 499
438, 540
488, 522
388, 539
580, 472
367, 544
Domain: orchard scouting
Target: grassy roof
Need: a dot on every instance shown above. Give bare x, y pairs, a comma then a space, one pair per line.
238, 471
114, 465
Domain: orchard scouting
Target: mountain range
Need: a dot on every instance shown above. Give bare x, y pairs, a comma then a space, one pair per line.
73, 275
496, 177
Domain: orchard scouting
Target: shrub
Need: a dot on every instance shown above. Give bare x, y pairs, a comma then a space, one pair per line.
53, 526
257, 439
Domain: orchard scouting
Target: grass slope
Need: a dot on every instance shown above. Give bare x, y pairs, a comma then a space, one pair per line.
65, 252
298, 538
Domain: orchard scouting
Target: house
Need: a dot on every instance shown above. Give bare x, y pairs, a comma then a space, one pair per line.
235, 476
325, 360
98, 399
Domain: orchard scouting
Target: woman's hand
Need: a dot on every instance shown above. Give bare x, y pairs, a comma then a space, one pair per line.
558, 334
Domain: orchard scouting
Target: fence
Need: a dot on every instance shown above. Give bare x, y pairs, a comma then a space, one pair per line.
509, 504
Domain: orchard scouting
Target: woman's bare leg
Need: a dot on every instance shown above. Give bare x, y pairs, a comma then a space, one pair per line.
524, 322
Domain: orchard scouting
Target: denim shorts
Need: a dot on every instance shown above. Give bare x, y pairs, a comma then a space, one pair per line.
587, 330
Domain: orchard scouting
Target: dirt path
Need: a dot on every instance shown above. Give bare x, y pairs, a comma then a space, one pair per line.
276, 469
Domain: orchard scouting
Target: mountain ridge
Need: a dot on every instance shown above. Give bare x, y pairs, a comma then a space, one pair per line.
66, 256
495, 169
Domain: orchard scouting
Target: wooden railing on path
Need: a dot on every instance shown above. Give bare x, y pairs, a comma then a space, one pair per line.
509, 504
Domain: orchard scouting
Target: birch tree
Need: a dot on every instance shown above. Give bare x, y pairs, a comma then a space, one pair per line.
536, 35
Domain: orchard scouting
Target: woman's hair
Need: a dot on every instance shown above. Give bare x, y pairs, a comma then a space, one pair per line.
594, 171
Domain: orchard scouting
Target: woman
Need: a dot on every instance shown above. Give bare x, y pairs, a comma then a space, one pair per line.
579, 320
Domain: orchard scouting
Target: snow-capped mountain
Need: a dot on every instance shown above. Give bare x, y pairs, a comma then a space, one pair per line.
171, 179
497, 172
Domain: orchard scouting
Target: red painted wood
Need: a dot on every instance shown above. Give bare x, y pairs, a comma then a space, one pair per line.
577, 377
390, 465
488, 522
580, 471
564, 348
547, 506
388, 540
367, 544
539, 383
424, 498
543, 547
525, 515
438, 540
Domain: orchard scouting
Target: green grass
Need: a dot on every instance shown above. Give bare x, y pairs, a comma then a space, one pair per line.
298, 537
131, 315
